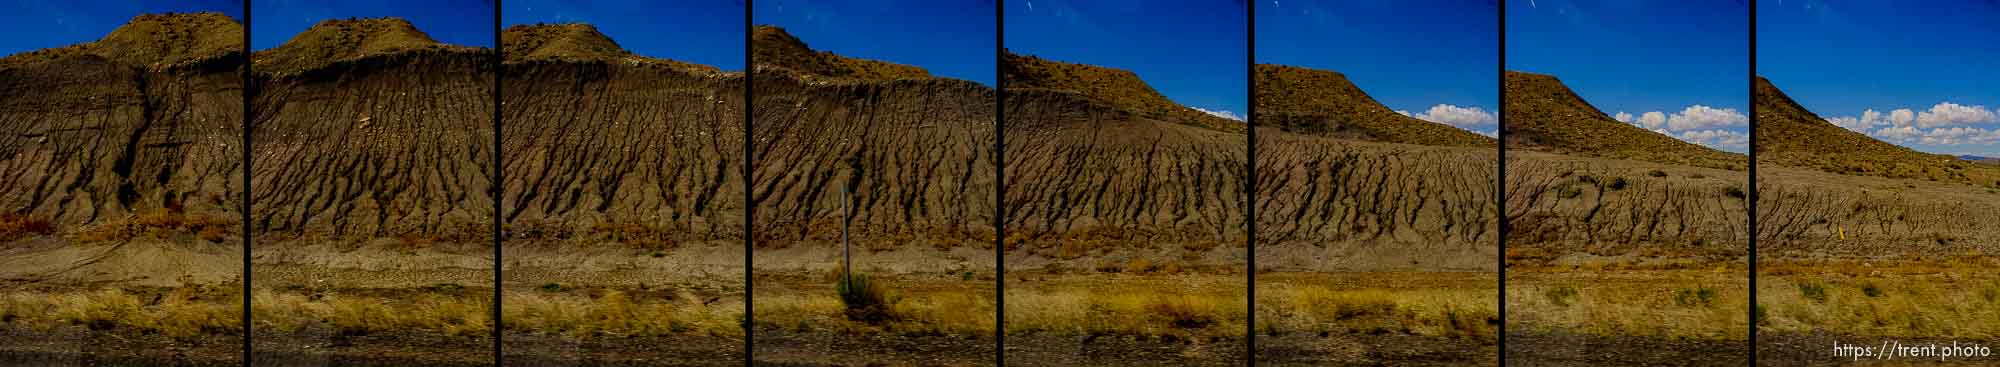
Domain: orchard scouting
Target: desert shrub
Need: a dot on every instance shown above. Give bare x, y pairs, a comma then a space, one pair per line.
1185, 312
1733, 191
1616, 184
14, 227
1872, 290
1813, 291
1561, 296
1760, 315
1694, 297
864, 300
553, 287
1657, 173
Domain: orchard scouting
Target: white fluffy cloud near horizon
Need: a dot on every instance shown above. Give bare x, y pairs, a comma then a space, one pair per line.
1943, 124
1462, 117
1720, 128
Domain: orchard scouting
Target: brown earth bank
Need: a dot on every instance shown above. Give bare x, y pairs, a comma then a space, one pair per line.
1565, 211
1343, 205
1574, 349
1813, 215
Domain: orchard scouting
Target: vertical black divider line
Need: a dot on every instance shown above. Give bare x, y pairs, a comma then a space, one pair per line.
1752, 93
243, 204
1250, 188
749, 208
1500, 179
999, 184
499, 189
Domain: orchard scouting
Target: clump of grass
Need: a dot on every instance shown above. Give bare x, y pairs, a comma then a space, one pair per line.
1872, 290
1656, 173
1813, 291
1694, 297
864, 300
1561, 296
553, 287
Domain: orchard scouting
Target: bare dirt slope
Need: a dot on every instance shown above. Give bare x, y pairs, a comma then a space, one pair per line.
915, 150
1826, 192
385, 139
602, 147
125, 146
1086, 178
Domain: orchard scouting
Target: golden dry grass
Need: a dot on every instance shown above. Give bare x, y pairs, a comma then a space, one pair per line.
1429, 311
616, 313
946, 310
179, 313
1179, 305
1691, 304
361, 314
1948, 304
13, 226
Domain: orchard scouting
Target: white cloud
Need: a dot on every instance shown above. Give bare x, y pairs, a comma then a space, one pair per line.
1405, 113
1901, 117
1947, 113
1717, 138
1622, 117
1901, 133
1653, 120
1456, 116
1698, 117
1220, 113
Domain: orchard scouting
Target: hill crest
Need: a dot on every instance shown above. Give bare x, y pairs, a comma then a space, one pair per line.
1323, 102
153, 41
773, 47
335, 40
1788, 134
1543, 114
1116, 87
574, 42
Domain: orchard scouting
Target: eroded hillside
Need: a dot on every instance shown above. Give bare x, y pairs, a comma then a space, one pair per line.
600, 145
1087, 177
132, 142
366, 130
916, 151
1319, 102
1574, 208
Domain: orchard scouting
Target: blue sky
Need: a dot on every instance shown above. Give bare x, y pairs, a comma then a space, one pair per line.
1434, 59
33, 25
1926, 68
1677, 67
1194, 52
707, 32
457, 22
949, 38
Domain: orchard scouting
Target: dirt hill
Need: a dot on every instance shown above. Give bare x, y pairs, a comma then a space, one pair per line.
1102, 169
1320, 102
1113, 87
773, 47
573, 42
916, 150
134, 141
152, 41
1788, 134
368, 129
337, 40
1544, 115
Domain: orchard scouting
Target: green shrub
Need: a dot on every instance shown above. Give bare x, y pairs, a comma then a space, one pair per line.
862, 299
1561, 296
1813, 291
